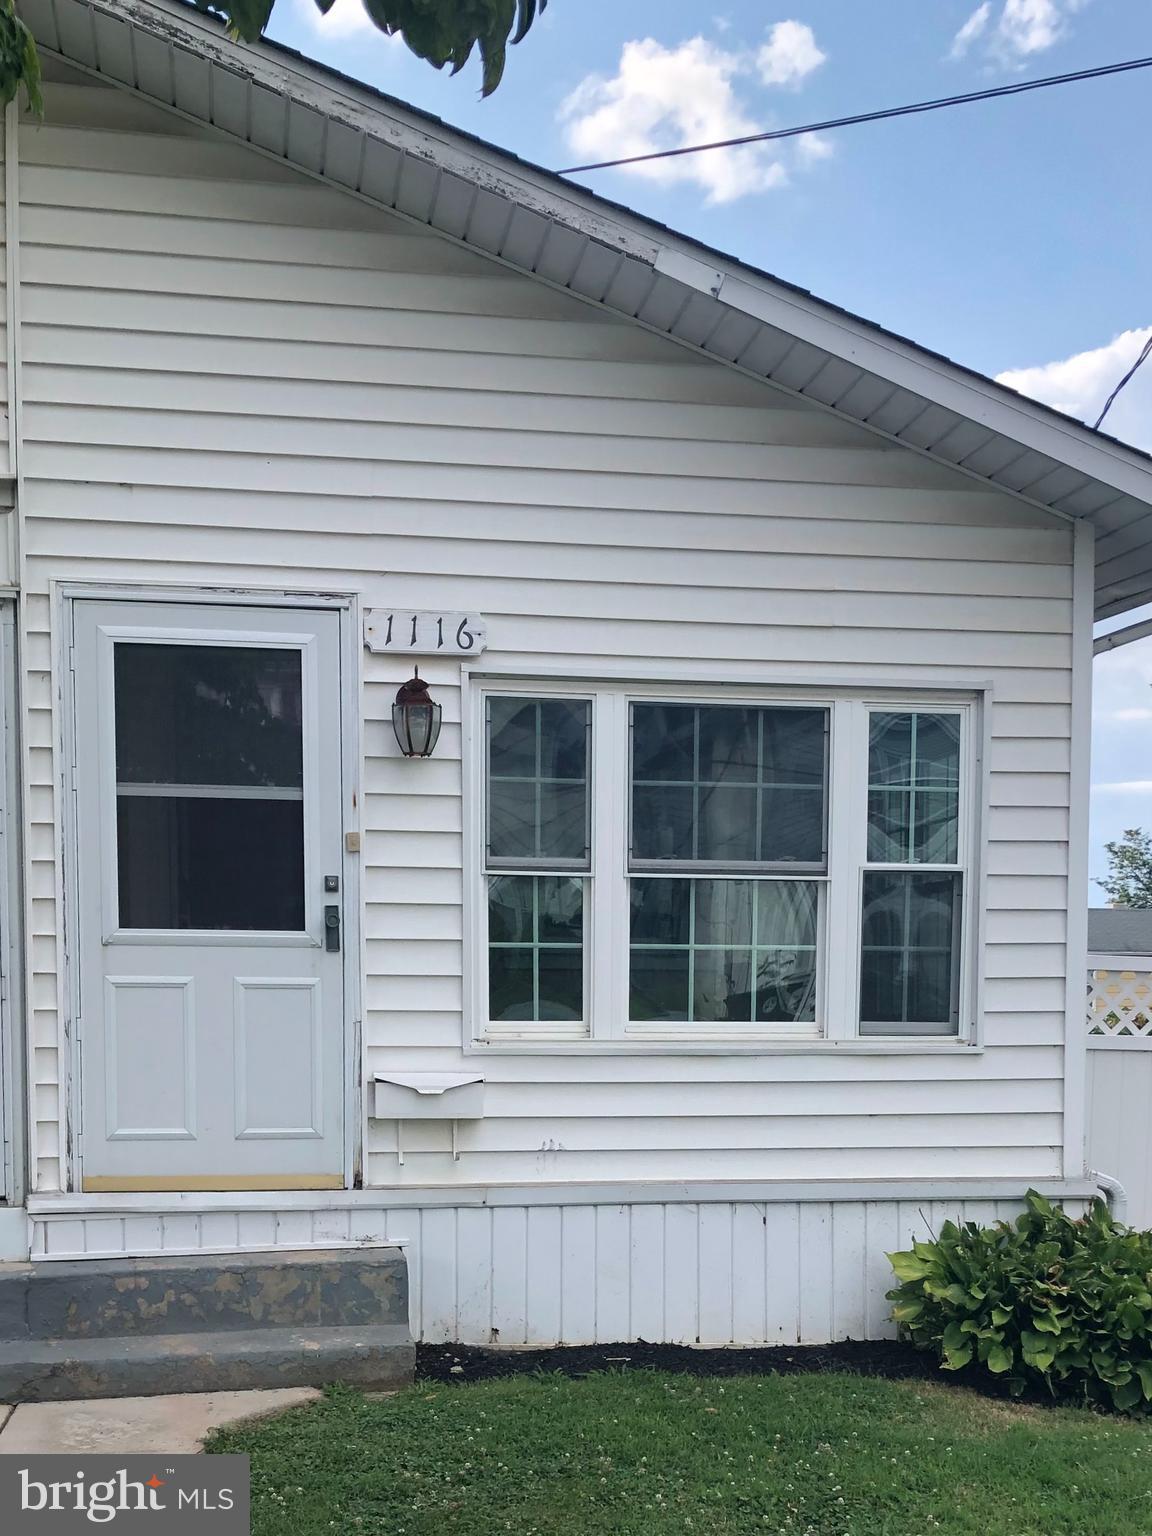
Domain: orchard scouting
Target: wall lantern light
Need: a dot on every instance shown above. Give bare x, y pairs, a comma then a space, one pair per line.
416, 719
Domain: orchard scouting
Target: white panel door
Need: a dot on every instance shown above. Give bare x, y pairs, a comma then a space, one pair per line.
208, 808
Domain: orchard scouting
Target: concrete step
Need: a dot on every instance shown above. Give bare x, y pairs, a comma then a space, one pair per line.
54, 1370
150, 1298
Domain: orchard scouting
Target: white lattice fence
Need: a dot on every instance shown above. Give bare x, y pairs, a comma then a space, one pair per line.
1120, 1001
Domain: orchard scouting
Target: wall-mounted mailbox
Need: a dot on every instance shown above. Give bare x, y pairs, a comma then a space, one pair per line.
428, 1096
404, 1096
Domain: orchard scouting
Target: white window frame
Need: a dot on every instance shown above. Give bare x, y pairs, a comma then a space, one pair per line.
606, 1026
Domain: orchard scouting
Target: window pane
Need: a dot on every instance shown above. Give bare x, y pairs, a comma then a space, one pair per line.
723, 911
728, 744
890, 749
661, 911
563, 739
792, 825
727, 823
662, 822
794, 747
728, 784
663, 741
722, 986
511, 985
659, 985
537, 780
511, 910
562, 810
938, 750
210, 863
889, 819
512, 738
560, 910
535, 948
909, 961
713, 951
935, 833
561, 984
208, 714
786, 960
914, 788
512, 819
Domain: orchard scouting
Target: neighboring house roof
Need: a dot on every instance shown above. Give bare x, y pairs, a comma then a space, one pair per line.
1120, 930
540, 223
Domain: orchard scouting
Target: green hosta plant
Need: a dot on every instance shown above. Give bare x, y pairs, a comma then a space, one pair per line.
1043, 1301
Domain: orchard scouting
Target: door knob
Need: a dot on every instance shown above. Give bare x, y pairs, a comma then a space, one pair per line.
332, 929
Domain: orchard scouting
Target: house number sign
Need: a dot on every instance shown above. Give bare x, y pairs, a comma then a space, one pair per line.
424, 634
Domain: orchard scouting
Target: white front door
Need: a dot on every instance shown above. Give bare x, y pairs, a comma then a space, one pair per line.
209, 816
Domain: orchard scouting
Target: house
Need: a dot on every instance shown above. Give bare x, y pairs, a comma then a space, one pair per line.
734, 930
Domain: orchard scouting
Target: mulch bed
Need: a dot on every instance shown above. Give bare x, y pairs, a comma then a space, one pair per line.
463, 1363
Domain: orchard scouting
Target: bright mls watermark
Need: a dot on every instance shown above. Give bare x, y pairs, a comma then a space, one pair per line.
63, 1495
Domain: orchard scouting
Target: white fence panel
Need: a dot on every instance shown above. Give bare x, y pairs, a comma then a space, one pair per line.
1119, 1022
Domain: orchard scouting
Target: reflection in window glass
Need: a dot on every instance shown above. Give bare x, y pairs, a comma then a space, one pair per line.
537, 781
535, 948
210, 863
909, 974
913, 788
209, 787
716, 951
208, 714
728, 784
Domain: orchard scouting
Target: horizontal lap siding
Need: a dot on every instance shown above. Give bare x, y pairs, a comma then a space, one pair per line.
234, 376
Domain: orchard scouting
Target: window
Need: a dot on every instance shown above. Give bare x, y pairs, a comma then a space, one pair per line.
658, 867
912, 889
538, 824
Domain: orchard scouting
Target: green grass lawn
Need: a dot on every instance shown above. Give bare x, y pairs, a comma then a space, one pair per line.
620, 1455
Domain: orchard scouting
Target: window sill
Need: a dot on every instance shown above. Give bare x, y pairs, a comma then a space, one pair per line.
890, 1047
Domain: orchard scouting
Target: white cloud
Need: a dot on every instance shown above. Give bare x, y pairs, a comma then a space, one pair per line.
1125, 787
1021, 29
790, 54
663, 98
1080, 385
666, 98
973, 28
811, 148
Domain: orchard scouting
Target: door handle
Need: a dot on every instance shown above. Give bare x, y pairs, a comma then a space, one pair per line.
332, 929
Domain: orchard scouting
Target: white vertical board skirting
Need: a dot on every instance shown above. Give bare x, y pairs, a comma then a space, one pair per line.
715, 1272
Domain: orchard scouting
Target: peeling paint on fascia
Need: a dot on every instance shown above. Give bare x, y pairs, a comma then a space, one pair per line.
386, 124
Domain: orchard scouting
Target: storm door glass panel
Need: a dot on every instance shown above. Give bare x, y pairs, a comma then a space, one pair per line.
728, 785
538, 782
209, 787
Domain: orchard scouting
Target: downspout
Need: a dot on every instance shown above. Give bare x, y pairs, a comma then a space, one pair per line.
1114, 1192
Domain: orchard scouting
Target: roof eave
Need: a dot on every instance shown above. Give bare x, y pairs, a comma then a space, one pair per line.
535, 221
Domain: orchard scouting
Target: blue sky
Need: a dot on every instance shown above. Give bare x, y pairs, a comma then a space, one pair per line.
1011, 235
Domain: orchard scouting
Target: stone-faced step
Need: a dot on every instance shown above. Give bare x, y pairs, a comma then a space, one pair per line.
56, 1370
133, 1298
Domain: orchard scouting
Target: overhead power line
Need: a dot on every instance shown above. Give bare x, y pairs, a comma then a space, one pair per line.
1016, 89
1145, 352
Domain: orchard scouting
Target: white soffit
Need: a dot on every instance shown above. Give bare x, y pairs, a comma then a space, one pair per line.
540, 223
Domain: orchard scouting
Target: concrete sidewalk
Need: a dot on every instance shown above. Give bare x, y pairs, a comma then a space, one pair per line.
131, 1425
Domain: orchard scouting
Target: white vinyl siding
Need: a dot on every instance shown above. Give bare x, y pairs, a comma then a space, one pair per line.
236, 377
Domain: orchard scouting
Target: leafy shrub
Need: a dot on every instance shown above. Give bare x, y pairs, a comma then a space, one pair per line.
1042, 1301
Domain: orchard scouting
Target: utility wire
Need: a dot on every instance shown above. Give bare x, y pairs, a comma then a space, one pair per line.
1016, 89
1146, 351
